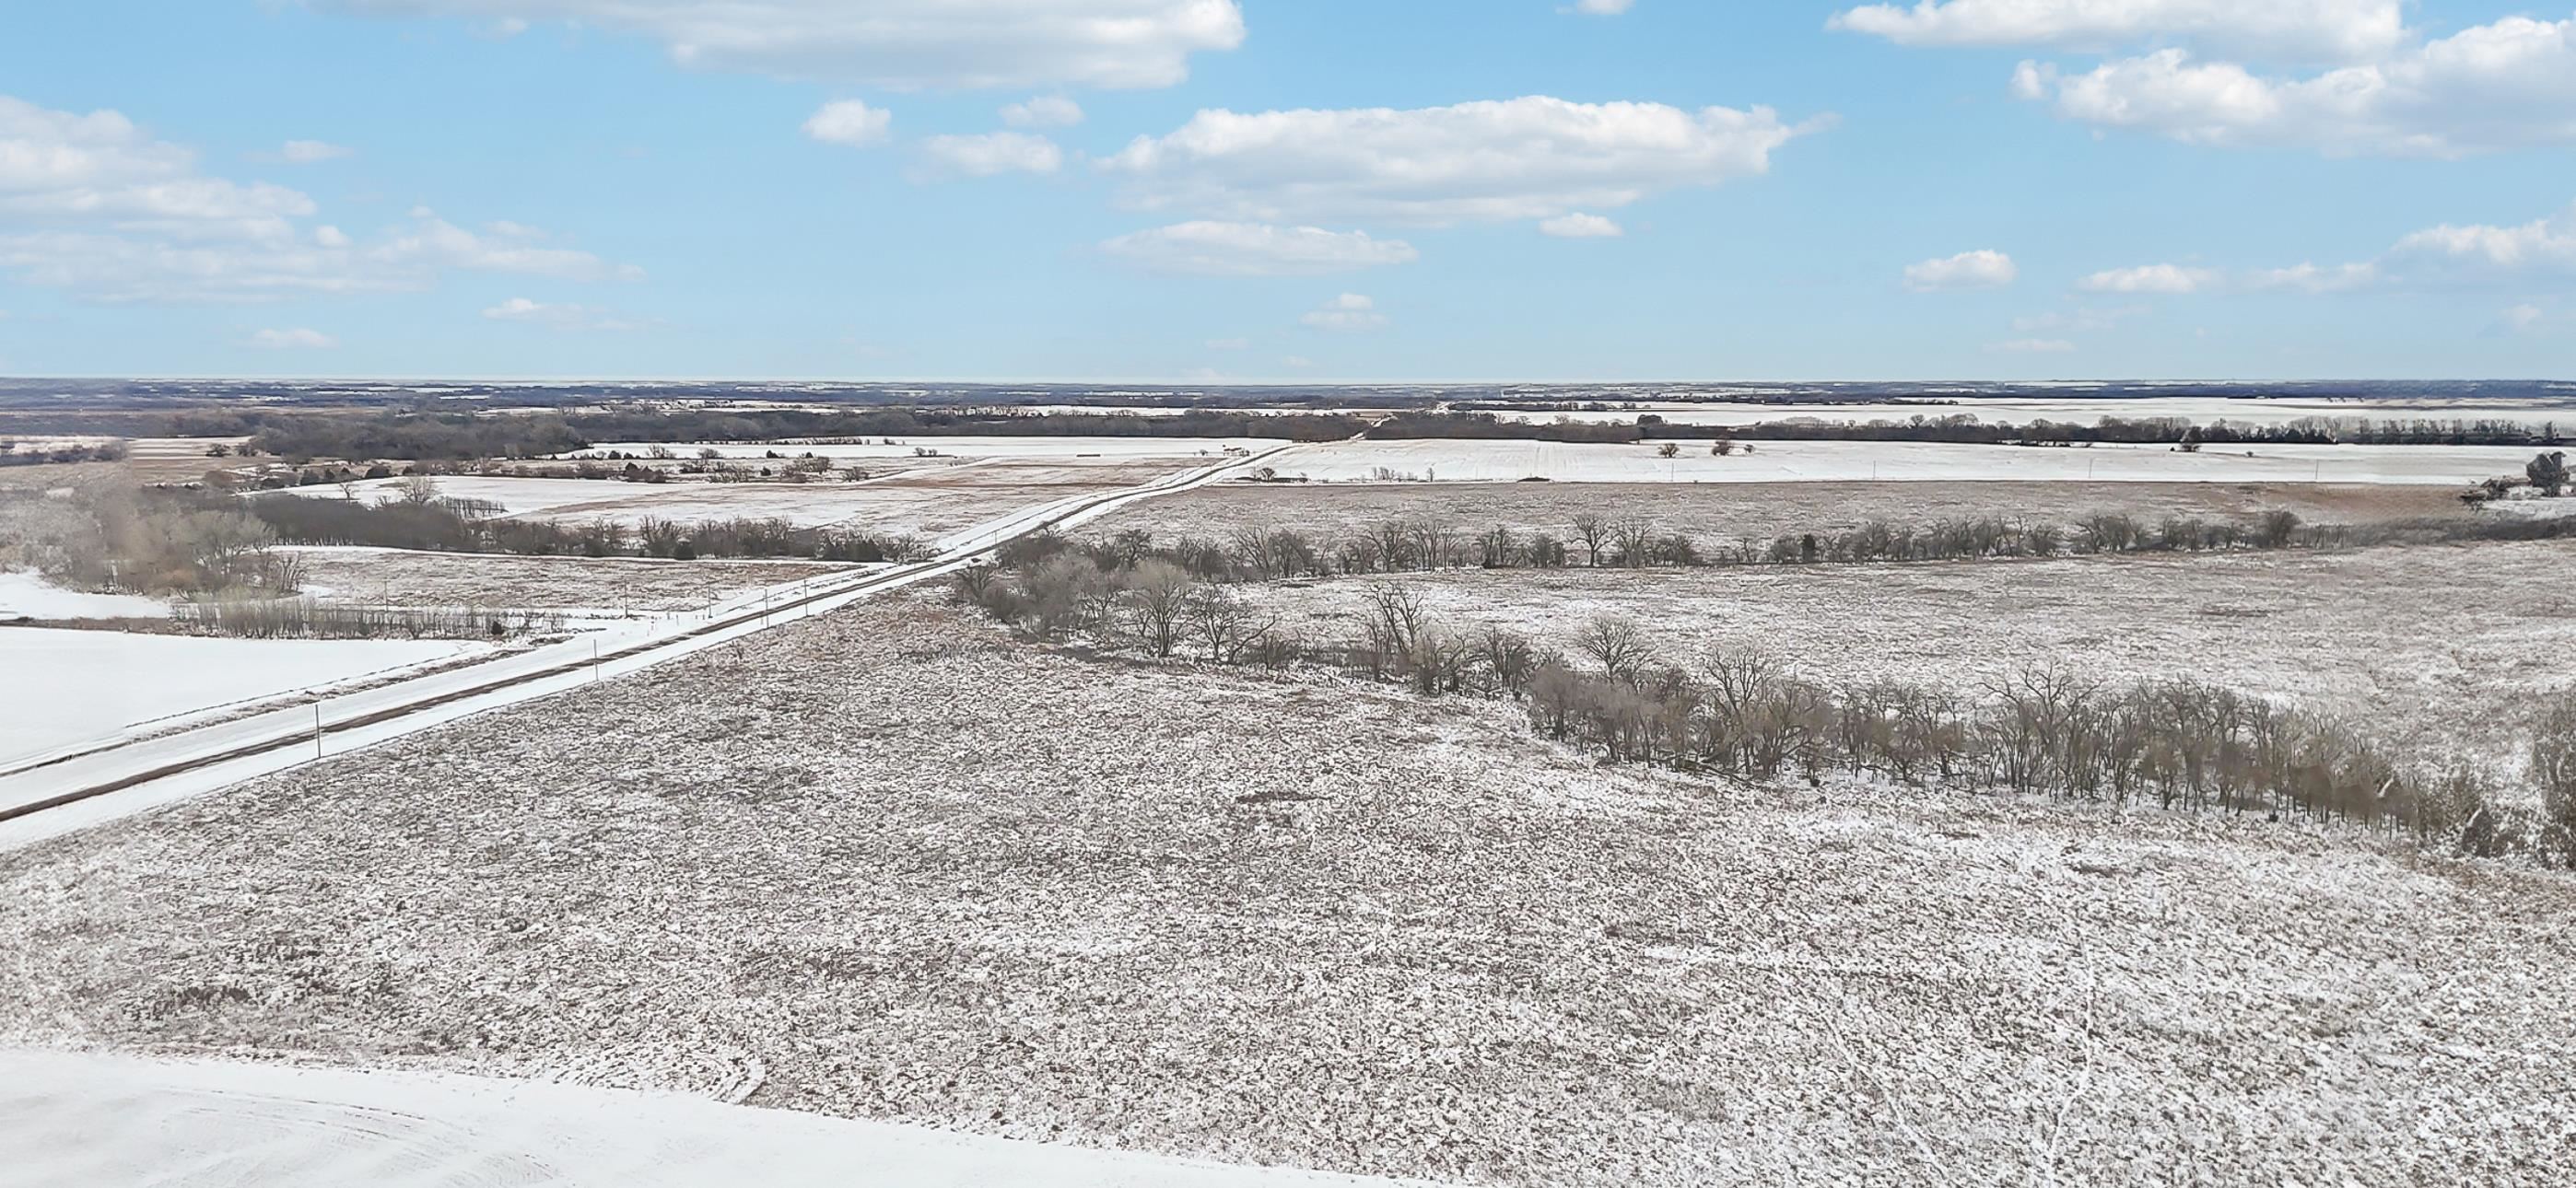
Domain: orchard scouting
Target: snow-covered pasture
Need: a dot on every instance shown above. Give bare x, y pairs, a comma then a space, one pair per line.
26, 594
2440, 650
916, 872
1854, 461
878, 450
2201, 410
396, 577
66, 688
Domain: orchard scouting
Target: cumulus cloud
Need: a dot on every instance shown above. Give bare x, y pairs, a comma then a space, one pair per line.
1581, 226
1255, 249
1528, 158
851, 123
1229, 344
1349, 313
2543, 245
2034, 346
2523, 317
1603, 7
2316, 30
297, 339
93, 204
556, 316
2152, 278
1982, 269
992, 153
894, 44
2310, 278
2083, 320
2508, 84
1045, 111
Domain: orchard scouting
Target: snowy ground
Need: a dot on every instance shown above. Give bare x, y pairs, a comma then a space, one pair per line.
2202, 410
1849, 461
2414, 644
70, 1119
1719, 512
876, 450
930, 500
26, 593
916, 873
610, 585
65, 688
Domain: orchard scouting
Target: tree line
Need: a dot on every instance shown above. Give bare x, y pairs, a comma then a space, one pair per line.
422, 519
2178, 745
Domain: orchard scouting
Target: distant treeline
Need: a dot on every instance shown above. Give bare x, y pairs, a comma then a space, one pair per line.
19, 454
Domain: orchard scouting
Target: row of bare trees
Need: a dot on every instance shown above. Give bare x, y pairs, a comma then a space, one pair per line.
2177, 745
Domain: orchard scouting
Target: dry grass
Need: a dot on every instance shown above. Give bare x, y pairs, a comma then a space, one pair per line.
918, 873
1752, 511
2434, 648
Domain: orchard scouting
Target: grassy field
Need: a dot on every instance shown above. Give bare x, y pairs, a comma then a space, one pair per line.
904, 868
2435, 647
1754, 511
394, 577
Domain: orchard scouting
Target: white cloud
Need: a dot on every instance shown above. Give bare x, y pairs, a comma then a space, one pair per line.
2309, 278
1603, 7
1255, 249
1581, 226
1298, 362
993, 153
2152, 278
307, 152
1528, 158
895, 44
92, 204
2541, 245
556, 316
2083, 320
2502, 85
2314, 30
849, 122
1229, 344
2524, 316
1045, 111
2034, 346
1348, 313
1982, 269
298, 339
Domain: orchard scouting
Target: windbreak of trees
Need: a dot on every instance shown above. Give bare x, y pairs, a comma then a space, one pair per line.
423, 520
1968, 428
14, 453
2176, 745
118, 539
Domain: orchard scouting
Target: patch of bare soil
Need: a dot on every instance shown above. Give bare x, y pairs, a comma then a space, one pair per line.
907, 869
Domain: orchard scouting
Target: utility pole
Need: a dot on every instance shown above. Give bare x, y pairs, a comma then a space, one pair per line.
594, 658
317, 730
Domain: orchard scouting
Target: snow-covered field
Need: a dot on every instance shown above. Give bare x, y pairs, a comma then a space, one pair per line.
578, 585
1849, 461
914, 872
2442, 650
26, 593
878, 450
2201, 410
76, 1119
65, 688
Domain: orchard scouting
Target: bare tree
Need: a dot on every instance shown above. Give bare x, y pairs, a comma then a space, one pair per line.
1594, 531
1155, 597
1617, 645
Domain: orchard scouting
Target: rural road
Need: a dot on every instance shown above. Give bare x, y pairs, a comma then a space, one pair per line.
48, 798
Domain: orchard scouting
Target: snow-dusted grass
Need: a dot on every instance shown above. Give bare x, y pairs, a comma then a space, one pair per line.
2203, 410
1859, 461
396, 577
64, 688
24, 593
1716, 512
918, 873
88, 1119
2437, 649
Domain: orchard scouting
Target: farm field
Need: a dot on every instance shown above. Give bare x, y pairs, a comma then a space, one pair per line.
2414, 643
966, 446
1751, 511
27, 594
913, 871
100, 684
397, 577
1858, 461
933, 500
2200, 410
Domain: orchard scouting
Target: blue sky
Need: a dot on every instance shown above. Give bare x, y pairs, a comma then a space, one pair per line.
1200, 190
